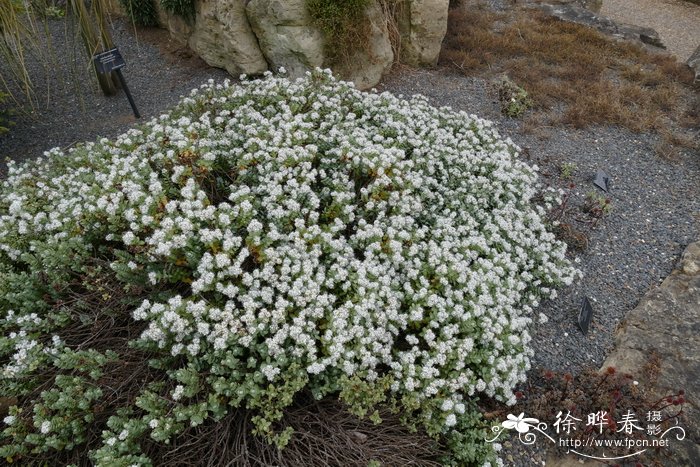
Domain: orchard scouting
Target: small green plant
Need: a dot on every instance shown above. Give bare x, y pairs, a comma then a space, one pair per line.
559, 216
183, 8
141, 12
514, 99
597, 205
54, 12
567, 170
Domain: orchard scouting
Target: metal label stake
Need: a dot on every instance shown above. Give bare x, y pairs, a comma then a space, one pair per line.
112, 61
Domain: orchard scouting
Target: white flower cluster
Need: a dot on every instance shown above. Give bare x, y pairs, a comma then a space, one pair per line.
345, 231
25, 353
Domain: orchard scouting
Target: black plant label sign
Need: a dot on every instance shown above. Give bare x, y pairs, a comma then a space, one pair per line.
585, 315
602, 181
106, 62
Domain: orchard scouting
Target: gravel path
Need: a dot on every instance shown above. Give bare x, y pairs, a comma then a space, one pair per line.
71, 107
676, 21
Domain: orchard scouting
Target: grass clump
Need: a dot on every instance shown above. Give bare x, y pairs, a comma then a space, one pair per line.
259, 246
573, 74
567, 170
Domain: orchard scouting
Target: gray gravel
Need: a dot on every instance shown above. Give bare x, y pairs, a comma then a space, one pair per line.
656, 203
70, 106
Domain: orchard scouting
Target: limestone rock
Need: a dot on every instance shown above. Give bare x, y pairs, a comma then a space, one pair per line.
422, 24
286, 36
645, 35
366, 67
667, 322
223, 38
248, 36
180, 30
694, 63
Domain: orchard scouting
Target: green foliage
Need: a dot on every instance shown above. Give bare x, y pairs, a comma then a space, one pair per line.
183, 8
50, 9
343, 24
514, 99
60, 419
596, 204
361, 396
54, 12
567, 170
465, 442
141, 12
138, 300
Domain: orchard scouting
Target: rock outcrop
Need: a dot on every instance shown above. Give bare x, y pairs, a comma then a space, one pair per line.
666, 322
422, 25
223, 37
366, 67
285, 35
252, 36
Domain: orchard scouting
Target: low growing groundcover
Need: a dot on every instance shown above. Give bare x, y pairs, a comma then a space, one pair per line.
262, 241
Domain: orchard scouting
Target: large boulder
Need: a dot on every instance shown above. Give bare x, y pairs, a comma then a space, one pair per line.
666, 322
289, 40
422, 25
365, 67
250, 36
180, 29
286, 36
223, 38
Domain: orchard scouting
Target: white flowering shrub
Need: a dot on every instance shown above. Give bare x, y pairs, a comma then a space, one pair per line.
261, 240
